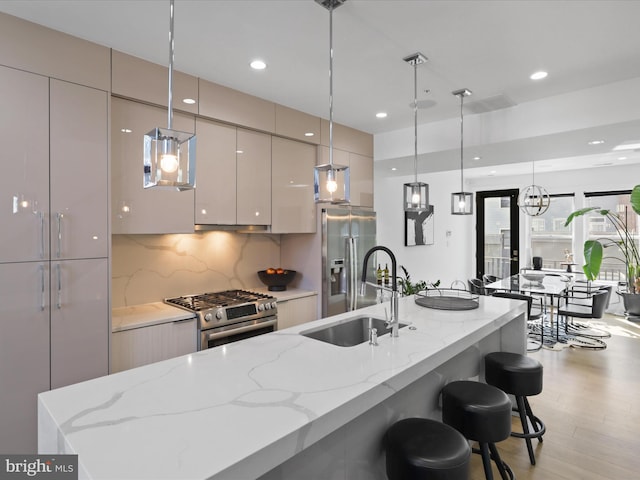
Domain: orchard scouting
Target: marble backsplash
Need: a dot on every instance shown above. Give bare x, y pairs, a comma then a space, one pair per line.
148, 268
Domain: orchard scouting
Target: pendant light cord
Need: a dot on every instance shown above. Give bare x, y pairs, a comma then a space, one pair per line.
171, 44
331, 84
415, 121
461, 144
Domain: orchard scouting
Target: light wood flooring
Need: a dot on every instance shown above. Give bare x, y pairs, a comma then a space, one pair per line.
590, 404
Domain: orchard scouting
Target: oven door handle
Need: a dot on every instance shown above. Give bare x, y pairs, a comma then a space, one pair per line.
234, 331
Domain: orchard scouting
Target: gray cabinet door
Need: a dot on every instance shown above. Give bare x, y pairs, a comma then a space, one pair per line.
24, 352
79, 321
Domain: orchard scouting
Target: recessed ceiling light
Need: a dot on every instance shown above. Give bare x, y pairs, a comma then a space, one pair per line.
239, 151
538, 75
477, 158
308, 134
381, 115
188, 101
393, 169
258, 65
125, 130
622, 158
596, 142
492, 172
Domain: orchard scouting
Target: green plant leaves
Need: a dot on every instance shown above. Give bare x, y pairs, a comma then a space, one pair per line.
593, 259
635, 199
579, 213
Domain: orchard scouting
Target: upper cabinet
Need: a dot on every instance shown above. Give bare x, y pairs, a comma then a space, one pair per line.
215, 173
232, 106
361, 173
347, 138
133, 77
135, 209
297, 125
253, 182
293, 206
24, 183
79, 172
34, 48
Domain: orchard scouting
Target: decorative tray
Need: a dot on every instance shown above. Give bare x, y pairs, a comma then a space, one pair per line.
447, 299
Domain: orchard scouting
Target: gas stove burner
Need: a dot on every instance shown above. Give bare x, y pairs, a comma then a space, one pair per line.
211, 300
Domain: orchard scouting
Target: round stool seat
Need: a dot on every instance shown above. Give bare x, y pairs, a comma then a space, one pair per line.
419, 448
479, 411
513, 373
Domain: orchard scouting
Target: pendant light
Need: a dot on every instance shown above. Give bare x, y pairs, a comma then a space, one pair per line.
416, 194
170, 155
331, 181
534, 200
462, 202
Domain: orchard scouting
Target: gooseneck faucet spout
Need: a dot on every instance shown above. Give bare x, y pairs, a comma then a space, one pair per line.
393, 321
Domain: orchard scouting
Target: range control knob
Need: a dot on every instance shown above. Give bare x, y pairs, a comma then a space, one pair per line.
208, 317
219, 315
274, 305
267, 306
261, 307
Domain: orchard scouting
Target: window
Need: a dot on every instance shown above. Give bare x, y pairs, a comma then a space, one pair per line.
550, 239
600, 228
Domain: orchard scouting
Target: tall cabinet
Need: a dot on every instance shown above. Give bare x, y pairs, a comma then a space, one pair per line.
54, 305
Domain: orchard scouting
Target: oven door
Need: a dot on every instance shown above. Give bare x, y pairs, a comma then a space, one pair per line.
215, 337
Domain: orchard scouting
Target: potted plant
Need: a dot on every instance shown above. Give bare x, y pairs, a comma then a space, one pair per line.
407, 287
594, 250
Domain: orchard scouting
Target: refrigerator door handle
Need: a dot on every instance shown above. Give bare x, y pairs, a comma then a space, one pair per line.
353, 272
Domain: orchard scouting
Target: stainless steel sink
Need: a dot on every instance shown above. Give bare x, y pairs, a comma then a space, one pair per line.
350, 332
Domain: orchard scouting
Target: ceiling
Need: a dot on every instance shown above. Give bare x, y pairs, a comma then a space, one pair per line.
490, 47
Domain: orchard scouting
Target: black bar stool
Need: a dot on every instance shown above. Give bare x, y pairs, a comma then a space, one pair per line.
423, 449
481, 413
521, 376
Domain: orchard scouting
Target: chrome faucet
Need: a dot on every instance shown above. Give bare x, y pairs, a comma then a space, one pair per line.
393, 321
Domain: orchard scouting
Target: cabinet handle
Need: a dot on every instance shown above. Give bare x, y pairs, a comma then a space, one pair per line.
59, 299
41, 215
59, 217
42, 285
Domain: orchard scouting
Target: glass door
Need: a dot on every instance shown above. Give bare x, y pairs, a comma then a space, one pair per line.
497, 233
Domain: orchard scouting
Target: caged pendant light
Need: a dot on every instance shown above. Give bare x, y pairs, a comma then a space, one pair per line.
534, 200
170, 155
462, 202
416, 194
331, 181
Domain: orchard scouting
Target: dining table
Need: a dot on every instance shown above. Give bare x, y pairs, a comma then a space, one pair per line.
552, 286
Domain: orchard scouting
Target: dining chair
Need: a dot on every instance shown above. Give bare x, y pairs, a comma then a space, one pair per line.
486, 278
593, 308
477, 286
535, 314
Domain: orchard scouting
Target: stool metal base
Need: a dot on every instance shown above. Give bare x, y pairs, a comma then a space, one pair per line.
539, 428
489, 452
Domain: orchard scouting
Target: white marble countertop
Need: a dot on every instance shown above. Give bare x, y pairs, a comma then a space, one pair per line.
236, 411
145, 315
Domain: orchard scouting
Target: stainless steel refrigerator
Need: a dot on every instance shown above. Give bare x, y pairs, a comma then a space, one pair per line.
347, 234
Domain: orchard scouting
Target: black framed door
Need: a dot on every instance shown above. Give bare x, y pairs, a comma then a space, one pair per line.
497, 233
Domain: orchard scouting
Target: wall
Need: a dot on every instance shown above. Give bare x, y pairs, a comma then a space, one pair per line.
450, 257
453, 257
148, 268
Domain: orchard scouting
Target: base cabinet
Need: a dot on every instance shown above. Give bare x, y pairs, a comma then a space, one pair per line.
141, 346
297, 311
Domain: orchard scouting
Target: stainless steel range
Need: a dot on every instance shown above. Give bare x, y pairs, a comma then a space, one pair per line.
230, 315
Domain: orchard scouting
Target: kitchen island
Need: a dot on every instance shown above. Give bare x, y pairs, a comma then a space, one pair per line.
275, 405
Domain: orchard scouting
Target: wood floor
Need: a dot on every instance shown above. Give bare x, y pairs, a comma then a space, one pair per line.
590, 404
